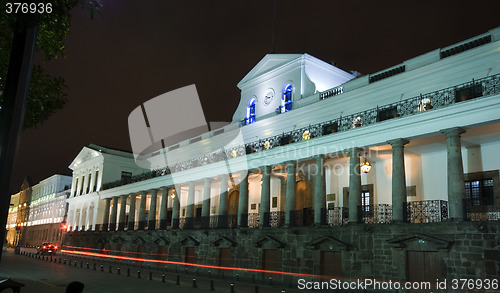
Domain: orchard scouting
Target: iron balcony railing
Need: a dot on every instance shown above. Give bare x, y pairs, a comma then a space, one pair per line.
376, 214
337, 216
481, 210
425, 102
426, 211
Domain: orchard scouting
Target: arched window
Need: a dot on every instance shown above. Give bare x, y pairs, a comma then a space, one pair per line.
250, 111
286, 99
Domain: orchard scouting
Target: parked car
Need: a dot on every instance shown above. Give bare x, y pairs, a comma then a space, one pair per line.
47, 248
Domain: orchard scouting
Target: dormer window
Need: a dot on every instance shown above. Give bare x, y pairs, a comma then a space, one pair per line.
286, 98
250, 111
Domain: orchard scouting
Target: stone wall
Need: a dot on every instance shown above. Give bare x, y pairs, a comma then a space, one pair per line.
460, 250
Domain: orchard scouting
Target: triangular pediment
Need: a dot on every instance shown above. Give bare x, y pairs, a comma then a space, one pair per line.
420, 241
329, 241
267, 64
224, 241
270, 242
190, 240
84, 155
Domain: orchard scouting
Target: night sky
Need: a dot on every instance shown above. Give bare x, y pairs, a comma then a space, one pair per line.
138, 50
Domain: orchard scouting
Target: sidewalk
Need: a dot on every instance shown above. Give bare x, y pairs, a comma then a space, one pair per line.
44, 276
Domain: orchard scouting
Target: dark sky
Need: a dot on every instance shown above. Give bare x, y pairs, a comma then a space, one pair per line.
138, 50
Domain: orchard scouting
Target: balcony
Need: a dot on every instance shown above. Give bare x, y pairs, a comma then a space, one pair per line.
426, 211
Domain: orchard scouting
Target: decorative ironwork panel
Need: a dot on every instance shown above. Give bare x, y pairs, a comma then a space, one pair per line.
276, 219
376, 214
253, 220
337, 216
426, 211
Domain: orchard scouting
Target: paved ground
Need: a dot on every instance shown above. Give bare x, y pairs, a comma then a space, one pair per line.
48, 277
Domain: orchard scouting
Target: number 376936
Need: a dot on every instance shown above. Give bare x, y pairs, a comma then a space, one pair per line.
18, 7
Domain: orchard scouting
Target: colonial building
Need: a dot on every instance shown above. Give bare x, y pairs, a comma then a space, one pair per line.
321, 172
38, 213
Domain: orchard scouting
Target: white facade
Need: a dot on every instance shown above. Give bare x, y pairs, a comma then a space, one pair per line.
334, 117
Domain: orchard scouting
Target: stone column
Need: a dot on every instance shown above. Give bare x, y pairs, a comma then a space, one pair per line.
223, 202
190, 207
163, 208
131, 212
354, 186
105, 219
78, 217
152, 210
176, 206
88, 221
142, 211
398, 179
243, 201
456, 184
265, 197
123, 210
319, 193
205, 205
290, 194
114, 209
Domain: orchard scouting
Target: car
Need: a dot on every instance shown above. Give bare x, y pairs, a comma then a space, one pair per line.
47, 248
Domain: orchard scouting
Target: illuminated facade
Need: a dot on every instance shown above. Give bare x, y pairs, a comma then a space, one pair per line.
39, 212
293, 197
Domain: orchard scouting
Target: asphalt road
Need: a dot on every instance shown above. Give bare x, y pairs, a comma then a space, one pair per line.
48, 277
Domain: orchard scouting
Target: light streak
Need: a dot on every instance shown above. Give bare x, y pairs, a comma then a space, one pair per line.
78, 252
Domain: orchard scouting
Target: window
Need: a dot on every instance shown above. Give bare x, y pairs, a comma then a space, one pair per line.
286, 98
365, 200
479, 192
250, 111
469, 92
95, 179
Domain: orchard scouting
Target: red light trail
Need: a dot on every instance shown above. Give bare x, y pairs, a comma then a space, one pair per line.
79, 252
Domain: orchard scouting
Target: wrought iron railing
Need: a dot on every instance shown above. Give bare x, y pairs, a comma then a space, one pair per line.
274, 219
376, 214
424, 102
304, 217
337, 216
426, 211
253, 220
481, 210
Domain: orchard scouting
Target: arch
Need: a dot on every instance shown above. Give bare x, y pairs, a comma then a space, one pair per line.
286, 98
250, 118
232, 202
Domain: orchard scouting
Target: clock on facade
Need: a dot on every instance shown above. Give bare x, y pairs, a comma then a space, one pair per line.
268, 96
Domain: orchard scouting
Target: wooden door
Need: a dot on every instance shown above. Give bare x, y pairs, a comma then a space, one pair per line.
423, 266
270, 262
190, 255
331, 263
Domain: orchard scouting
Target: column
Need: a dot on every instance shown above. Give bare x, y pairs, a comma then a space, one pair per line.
78, 219
456, 184
190, 207
142, 211
265, 200
243, 201
88, 220
176, 206
163, 208
152, 210
123, 210
398, 179
105, 219
290, 195
319, 193
205, 205
354, 186
131, 212
223, 202
114, 209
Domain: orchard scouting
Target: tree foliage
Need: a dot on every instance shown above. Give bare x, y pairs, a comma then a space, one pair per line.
46, 93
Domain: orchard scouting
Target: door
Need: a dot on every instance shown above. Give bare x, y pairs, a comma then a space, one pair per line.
331, 263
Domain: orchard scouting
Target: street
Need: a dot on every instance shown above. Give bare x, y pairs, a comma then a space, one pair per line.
41, 275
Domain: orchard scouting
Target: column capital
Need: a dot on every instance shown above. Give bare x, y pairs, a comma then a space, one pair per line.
398, 142
453, 132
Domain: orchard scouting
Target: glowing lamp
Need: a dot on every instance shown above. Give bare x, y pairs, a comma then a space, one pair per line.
366, 167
